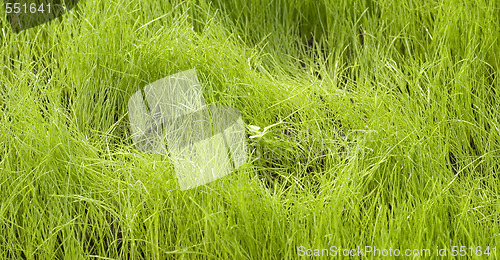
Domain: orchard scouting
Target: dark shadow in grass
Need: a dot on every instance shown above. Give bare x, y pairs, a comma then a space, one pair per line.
453, 162
301, 156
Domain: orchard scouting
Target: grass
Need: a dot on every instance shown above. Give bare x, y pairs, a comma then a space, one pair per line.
389, 133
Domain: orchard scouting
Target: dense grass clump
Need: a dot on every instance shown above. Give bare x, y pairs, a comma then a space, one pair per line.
382, 119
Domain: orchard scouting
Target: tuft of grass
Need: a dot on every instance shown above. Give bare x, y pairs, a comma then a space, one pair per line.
382, 126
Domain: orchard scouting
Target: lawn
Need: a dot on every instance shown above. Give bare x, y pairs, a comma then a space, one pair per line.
382, 130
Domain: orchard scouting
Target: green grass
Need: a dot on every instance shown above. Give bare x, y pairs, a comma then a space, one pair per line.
389, 133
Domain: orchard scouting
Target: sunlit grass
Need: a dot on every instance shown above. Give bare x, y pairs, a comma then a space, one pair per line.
383, 129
